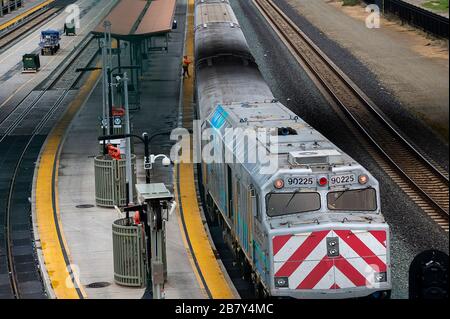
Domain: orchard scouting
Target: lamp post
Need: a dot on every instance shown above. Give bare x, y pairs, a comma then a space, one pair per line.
110, 123
106, 62
105, 124
109, 72
152, 219
149, 159
129, 177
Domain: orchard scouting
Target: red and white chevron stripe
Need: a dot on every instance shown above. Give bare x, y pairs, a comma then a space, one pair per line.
303, 258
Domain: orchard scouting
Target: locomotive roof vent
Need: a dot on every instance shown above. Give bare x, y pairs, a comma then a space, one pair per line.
286, 131
314, 157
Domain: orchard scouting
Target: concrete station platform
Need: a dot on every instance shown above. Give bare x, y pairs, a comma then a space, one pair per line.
86, 232
28, 7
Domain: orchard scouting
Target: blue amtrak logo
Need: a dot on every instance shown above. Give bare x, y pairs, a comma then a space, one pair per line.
219, 117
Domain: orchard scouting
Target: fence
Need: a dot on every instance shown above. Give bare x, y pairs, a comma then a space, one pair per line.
416, 16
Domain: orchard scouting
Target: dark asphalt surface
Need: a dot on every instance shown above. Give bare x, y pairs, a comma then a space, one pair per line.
411, 230
21, 234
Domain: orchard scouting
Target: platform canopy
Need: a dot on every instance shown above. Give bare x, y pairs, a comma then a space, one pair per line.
132, 19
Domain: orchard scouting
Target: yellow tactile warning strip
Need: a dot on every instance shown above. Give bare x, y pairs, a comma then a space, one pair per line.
54, 247
207, 269
25, 14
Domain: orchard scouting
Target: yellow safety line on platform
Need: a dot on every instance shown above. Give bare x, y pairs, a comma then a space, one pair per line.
209, 268
48, 220
25, 14
188, 251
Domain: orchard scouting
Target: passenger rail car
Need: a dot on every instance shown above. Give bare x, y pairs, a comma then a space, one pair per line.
313, 227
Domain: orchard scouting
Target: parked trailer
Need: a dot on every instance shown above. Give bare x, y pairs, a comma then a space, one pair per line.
31, 63
49, 42
69, 29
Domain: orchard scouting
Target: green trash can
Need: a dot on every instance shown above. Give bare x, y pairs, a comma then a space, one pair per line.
69, 29
31, 63
129, 251
110, 181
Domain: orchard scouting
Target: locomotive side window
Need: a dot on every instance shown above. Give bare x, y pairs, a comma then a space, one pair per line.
353, 200
279, 204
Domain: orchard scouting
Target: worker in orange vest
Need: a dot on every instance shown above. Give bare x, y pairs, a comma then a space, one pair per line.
186, 63
137, 218
114, 152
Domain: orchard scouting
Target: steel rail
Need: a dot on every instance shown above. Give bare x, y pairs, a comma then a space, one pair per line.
42, 122
48, 86
12, 35
364, 113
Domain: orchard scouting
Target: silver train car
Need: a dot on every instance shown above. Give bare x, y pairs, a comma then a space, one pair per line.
312, 227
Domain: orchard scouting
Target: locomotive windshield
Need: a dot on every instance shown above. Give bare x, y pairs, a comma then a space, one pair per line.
353, 200
279, 204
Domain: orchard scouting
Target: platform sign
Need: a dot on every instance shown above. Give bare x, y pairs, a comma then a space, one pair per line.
104, 123
117, 122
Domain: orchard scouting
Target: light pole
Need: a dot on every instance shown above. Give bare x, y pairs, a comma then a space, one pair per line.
110, 122
129, 177
153, 220
109, 72
106, 60
149, 159
105, 123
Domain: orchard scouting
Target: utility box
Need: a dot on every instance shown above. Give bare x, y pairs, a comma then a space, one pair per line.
31, 63
129, 251
110, 181
157, 192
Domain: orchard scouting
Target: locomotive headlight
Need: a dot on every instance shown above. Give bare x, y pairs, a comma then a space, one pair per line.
278, 184
281, 282
363, 179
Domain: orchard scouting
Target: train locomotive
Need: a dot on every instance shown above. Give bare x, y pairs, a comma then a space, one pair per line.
312, 227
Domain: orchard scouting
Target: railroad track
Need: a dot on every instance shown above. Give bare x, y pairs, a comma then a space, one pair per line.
22, 135
425, 182
38, 19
